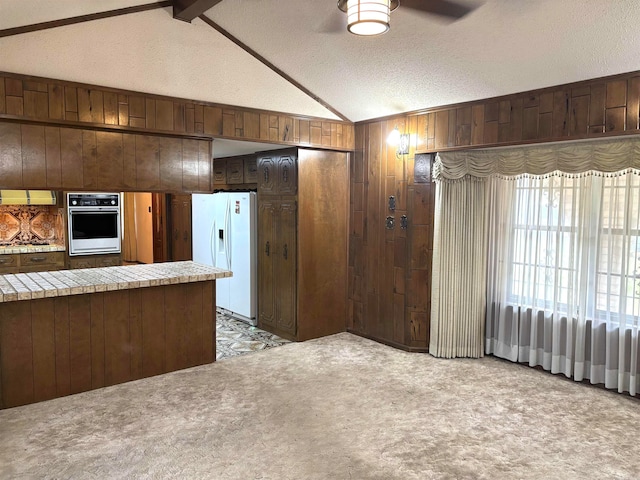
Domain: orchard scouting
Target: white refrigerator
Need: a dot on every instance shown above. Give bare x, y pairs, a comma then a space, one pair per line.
224, 235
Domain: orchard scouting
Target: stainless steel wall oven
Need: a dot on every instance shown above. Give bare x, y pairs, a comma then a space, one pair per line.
93, 223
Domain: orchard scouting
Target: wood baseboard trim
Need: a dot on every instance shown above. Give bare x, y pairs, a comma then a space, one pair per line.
275, 331
390, 343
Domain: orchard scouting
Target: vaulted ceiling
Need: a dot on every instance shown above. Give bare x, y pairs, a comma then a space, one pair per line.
501, 47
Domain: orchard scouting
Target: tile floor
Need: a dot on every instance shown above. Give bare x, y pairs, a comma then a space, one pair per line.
235, 337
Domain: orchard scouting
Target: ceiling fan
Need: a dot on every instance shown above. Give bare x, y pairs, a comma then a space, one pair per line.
371, 17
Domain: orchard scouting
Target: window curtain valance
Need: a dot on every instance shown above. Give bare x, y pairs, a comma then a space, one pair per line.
610, 155
536, 254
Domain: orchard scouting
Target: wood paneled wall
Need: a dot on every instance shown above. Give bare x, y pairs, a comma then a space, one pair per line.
594, 108
57, 158
53, 347
389, 269
323, 222
55, 101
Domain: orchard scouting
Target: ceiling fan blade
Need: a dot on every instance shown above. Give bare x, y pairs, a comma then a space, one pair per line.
445, 8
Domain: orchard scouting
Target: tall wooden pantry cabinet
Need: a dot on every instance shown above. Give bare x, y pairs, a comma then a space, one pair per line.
303, 205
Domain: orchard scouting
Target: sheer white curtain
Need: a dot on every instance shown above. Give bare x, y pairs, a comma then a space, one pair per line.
562, 256
564, 275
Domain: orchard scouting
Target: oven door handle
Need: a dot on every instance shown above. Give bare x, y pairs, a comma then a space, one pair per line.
93, 209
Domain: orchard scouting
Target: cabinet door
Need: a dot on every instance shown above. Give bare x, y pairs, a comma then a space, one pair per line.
9, 263
41, 262
40, 268
81, 262
267, 176
27, 259
250, 170
287, 175
285, 267
219, 172
181, 227
235, 171
108, 260
267, 229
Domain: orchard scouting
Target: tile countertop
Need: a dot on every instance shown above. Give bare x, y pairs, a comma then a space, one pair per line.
30, 249
28, 286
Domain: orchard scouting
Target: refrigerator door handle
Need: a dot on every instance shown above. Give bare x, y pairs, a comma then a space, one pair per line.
212, 243
227, 241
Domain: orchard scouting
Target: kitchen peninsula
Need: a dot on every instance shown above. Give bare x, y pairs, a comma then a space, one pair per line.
69, 331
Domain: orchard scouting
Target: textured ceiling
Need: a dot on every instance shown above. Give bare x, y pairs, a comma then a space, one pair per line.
18, 13
502, 47
151, 52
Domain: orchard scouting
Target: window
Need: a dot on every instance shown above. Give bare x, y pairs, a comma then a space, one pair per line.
618, 252
576, 245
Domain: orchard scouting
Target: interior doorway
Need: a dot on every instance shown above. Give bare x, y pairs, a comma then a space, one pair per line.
180, 227
145, 231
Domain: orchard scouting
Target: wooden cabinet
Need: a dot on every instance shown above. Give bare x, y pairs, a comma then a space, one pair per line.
278, 173
302, 242
287, 175
180, 228
93, 261
31, 262
81, 262
235, 170
220, 171
9, 263
267, 229
60, 158
250, 169
108, 260
41, 262
277, 264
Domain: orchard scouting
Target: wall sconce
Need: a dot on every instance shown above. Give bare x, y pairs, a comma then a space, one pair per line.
399, 140
403, 145
394, 137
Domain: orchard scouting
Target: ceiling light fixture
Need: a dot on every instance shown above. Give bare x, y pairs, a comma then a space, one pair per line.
367, 17
371, 17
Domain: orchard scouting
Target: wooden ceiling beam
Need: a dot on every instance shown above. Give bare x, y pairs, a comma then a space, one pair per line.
7, 32
187, 10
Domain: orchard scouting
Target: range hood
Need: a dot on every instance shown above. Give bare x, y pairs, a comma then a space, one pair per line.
27, 197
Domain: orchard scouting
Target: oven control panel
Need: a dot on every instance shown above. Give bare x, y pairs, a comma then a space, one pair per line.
93, 199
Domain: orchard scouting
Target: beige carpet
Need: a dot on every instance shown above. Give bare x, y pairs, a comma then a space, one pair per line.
341, 407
